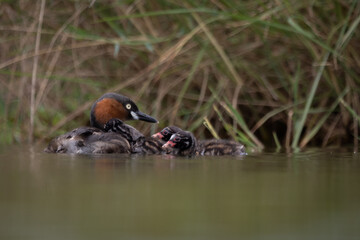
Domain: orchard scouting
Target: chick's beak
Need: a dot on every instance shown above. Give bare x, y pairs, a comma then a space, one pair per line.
143, 117
157, 135
169, 144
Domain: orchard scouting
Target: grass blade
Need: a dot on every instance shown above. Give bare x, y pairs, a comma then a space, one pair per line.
219, 49
161, 13
300, 125
276, 140
236, 135
320, 123
270, 115
211, 128
241, 122
188, 80
350, 109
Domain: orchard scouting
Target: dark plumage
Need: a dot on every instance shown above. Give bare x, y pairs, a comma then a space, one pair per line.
166, 133
184, 143
88, 140
138, 142
148, 145
128, 132
218, 147
117, 137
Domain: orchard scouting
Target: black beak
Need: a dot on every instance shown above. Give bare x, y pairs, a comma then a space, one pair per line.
143, 117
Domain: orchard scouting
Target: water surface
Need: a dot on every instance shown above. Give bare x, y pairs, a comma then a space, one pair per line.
310, 195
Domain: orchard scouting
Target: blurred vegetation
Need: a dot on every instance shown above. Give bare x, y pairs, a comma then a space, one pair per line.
267, 73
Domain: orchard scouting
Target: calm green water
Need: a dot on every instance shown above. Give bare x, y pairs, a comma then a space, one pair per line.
312, 195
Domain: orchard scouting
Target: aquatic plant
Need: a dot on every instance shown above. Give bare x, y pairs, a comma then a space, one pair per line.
267, 73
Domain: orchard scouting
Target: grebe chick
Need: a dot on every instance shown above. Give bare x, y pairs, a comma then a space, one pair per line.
166, 133
138, 142
185, 144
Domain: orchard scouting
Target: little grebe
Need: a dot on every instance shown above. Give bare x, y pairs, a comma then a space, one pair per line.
108, 133
185, 144
113, 105
88, 140
166, 133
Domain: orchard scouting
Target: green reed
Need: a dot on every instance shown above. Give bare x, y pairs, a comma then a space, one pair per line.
277, 74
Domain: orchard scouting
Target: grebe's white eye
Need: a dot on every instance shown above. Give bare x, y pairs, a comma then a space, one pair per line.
128, 106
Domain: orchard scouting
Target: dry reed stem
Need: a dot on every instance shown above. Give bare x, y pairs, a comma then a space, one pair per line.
148, 22
289, 127
34, 72
56, 56
219, 49
21, 89
187, 82
47, 51
355, 122
92, 3
234, 102
330, 130
48, 73
204, 86
25, 30
138, 25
